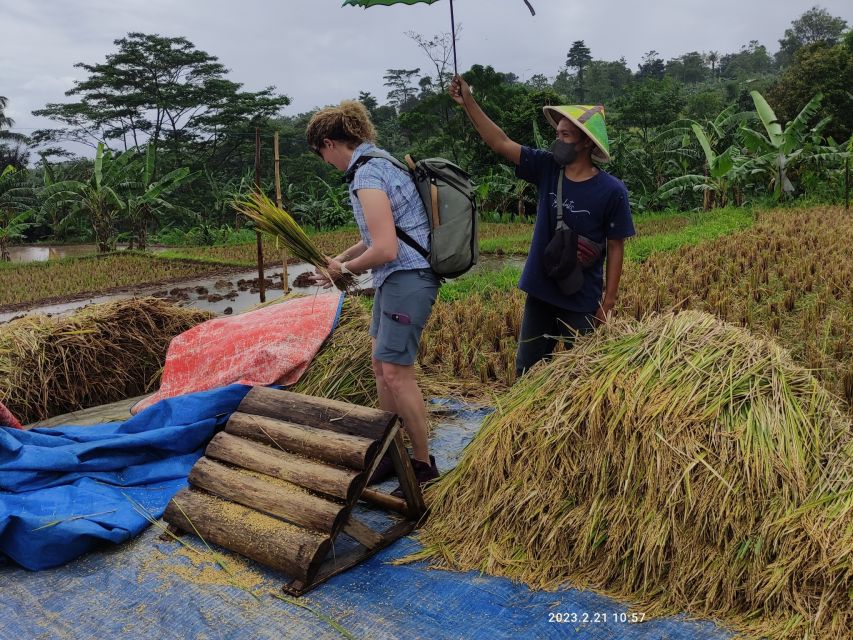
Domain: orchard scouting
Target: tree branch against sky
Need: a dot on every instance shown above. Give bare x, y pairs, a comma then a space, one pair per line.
815, 25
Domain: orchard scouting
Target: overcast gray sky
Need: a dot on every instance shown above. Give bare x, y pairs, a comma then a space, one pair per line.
318, 53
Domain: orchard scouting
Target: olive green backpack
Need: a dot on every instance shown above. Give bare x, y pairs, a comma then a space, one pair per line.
448, 196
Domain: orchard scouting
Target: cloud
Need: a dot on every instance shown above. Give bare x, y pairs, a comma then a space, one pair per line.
318, 52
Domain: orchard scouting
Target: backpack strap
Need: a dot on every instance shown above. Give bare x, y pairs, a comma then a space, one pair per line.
405, 237
366, 157
560, 223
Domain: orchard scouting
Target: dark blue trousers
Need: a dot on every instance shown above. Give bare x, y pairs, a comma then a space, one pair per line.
542, 325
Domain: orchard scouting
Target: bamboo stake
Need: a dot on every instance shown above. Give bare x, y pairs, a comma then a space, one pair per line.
261, 287
277, 160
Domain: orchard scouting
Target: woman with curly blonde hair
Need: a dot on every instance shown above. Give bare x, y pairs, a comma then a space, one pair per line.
384, 200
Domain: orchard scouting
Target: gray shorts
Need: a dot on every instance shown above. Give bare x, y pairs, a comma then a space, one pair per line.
401, 308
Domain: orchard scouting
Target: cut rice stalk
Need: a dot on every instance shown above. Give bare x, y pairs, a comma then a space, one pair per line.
276, 222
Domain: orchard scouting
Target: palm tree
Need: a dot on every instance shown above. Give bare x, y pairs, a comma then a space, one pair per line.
15, 151
712, 58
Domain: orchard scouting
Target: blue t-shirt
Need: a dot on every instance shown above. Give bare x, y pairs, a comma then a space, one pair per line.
596, 208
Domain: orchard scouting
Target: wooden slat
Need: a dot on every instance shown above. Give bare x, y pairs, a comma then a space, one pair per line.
267, 495
360, 532
268, 540
322, 413
340, 449
316, 476
408, 482
341, 563
386, 501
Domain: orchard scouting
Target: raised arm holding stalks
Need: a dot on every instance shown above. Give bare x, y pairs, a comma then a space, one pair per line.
582, 220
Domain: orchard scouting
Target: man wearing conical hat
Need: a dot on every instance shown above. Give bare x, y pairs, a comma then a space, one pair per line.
582, 220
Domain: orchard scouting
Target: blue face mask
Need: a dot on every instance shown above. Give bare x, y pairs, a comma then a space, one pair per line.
565, 153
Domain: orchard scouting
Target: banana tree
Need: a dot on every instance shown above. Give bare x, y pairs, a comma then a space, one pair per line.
721, 170
500, 192
16, 196
647, 163
98, 198
776, 150
60, 221
145, 198
724, 127
223, 195
11, 229
322, 205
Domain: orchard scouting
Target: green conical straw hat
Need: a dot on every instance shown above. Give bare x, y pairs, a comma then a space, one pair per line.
590, 118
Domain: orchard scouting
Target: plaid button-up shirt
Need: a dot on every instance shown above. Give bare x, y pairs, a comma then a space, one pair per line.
406, 206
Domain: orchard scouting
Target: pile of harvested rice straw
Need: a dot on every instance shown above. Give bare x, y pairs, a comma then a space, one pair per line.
680, 464
342, 370
105, 353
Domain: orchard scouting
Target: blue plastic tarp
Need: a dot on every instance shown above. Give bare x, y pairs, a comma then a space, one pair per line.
64, 491
149, 588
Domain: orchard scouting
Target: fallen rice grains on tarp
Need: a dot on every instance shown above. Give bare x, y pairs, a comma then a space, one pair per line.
199, 565
681, 464
105, 353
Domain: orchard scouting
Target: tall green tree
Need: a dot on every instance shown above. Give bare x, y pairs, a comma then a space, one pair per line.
538, 82
650, 104
819, 68
402, 91
652, 67
578, 58
815, 25
689, 68
750, 62
369, 101
607, 80
158, 89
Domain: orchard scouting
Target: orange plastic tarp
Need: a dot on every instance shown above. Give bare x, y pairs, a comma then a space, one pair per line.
7, 419
273, 345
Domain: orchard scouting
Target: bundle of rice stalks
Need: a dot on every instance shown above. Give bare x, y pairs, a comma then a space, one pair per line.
105, 353
279, 224
681, 464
